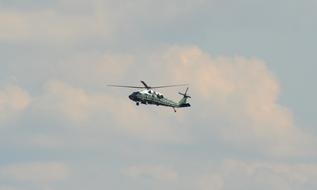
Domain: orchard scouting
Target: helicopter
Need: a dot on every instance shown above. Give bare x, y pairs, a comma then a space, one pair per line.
146, 95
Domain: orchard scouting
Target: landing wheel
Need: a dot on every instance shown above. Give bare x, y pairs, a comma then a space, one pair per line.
137, 103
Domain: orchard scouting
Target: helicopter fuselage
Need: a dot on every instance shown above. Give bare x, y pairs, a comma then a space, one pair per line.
149, 96
155, 98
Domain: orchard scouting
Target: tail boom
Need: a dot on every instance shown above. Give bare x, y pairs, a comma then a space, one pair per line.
184, 105
183, 102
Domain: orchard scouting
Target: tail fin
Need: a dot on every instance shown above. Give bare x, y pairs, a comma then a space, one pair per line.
183, 101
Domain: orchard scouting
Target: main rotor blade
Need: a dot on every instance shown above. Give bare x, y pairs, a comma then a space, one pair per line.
122, 86
145, 85
186, 90
168, 86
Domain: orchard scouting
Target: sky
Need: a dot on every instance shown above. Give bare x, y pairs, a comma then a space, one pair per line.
250, 66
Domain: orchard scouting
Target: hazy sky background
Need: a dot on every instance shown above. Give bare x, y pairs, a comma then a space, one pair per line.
251, 69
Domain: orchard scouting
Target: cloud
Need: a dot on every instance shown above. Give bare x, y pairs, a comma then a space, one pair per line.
7, 188
37, 173
51, 26
73, 103
211, 181
241, 91
235, 99
92, 21
98, 110
155, 172
237, 174
13, 100
226, 174
46, 141
94, 68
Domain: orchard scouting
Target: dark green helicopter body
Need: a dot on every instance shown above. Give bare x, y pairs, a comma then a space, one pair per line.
149, 96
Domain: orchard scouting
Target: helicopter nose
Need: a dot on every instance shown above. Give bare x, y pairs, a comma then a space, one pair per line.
131, 97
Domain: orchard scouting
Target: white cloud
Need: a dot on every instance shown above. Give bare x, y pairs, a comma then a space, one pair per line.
81, 21
155, 172
237, 174
234, 102
242, 92
13, 100
227, 174
46, 141
7, 188
100, 110
211, 181
94, 68
51, 26
72, 102
38, 173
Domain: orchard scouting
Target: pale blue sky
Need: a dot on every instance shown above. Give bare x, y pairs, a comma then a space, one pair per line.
57, 115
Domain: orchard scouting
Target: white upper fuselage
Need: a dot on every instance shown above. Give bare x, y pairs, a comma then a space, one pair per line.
151, 92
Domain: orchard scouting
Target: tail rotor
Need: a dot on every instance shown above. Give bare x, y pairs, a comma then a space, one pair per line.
183, 102
184, 94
